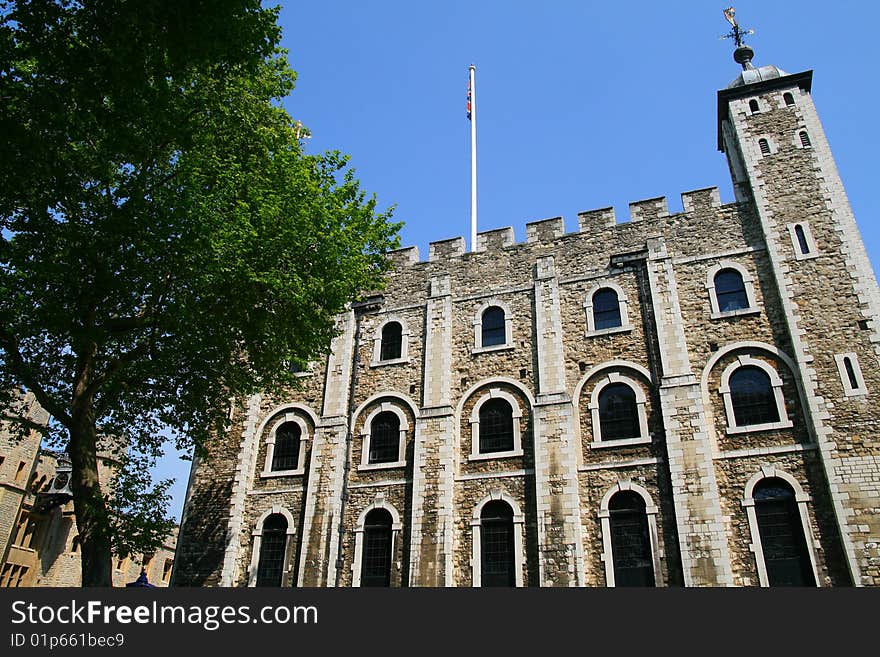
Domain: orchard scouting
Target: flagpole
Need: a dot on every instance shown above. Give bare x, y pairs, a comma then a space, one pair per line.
473, 108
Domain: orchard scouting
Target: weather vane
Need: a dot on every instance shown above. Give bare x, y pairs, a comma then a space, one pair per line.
737, 32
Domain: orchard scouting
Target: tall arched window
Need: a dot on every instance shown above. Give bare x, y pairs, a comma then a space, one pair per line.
783, 543
789, 99
606, 309
497, 563
764, 145
273, 544
285, 455
377, 543
384, 438
494, 330
752, 397
392, 337
805, 139
496, 426
630, 540
618, 412
730, 291
753, 107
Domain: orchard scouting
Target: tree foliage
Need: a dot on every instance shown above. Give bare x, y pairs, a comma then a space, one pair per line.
165, 243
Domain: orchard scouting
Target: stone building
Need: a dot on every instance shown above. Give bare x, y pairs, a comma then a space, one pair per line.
39, 543
685, 399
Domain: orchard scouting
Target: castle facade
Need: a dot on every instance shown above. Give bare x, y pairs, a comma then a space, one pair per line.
687, 399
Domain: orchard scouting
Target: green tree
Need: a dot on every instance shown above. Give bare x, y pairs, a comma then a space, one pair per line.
165, 244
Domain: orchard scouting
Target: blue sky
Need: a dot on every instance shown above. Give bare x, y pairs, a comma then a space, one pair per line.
581, 104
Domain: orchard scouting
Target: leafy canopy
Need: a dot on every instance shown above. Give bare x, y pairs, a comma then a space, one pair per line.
164, 241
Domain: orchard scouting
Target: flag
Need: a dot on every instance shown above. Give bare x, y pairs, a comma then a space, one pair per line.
469, 99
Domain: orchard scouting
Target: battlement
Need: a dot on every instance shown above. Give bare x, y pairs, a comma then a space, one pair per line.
596, 220
444, 249
547, 231
701, 199
652, 208
406, 256
497, 238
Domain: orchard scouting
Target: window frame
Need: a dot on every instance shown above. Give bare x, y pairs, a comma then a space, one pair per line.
802, 139
623, 305
366, 432
644, 436
396, 528
801, 499
304, 437
256, 543
748, 284
476, 538
496, 393
848, 390
404, 343
808, 238
478, 327
651, 511
776, 383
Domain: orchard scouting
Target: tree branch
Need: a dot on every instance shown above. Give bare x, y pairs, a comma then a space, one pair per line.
22, 371
114, 366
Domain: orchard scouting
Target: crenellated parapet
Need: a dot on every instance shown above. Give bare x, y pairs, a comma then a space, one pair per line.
591, 224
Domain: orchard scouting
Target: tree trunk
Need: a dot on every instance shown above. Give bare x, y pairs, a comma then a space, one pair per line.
88, 504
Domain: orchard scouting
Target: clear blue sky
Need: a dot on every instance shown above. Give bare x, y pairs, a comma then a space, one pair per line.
581, 104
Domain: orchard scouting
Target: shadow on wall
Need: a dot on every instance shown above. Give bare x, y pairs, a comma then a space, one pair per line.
200, 557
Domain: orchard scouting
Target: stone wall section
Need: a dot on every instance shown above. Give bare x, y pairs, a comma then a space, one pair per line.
830, 300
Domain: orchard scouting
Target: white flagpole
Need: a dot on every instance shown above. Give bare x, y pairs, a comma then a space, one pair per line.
473, 158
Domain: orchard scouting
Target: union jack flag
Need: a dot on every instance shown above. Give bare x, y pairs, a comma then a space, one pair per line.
469, 100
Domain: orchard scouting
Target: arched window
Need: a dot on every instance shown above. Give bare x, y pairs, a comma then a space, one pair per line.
606, 309
789, 99
493, 330
783, 543
764, 145
805, 139
630, 540
618, 412
803, 244
496, 426
392, 338
272, 547
497, 562
74, 545
384, 438
730, 291
753, 107
752, 397
376, 556
285, 456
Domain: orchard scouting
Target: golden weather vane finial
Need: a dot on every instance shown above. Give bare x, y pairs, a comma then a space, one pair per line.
737, 33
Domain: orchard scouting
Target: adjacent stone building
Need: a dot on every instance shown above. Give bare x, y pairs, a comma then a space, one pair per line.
688, 399
39, 542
